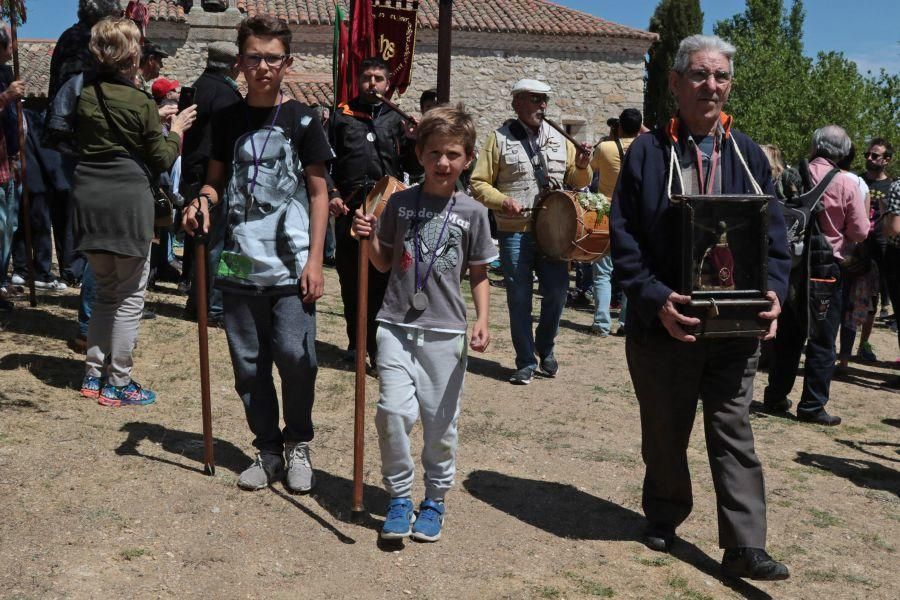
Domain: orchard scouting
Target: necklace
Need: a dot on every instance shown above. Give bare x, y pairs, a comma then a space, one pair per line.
257, 159
420, 298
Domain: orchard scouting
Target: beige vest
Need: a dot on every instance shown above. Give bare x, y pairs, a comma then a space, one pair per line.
515, 175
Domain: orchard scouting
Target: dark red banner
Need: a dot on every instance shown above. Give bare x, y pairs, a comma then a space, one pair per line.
395, 38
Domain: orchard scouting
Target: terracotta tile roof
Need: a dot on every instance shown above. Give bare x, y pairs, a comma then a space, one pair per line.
167, 10
504, 16
34, 66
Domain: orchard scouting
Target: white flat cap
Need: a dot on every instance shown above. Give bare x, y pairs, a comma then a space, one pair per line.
531, 85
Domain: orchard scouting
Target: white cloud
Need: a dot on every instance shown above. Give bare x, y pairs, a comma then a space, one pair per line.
875, 58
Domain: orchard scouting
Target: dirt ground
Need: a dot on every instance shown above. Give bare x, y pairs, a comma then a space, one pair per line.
112, 503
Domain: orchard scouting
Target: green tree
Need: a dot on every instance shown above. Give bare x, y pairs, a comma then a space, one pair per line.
673, 20
771, 96
780, 96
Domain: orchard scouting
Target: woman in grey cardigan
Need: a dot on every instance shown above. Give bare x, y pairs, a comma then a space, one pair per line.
121, 145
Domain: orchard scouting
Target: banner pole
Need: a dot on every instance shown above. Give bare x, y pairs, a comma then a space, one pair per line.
445, 27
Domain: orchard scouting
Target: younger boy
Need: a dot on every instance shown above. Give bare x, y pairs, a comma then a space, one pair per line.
427, 237
271, 153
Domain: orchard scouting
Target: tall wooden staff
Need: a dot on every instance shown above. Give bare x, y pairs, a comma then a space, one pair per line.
445, 29
359, 416
17, 8
209, 462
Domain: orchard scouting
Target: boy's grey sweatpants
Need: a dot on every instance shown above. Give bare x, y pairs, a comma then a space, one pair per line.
118, 307
263, 330
420, 374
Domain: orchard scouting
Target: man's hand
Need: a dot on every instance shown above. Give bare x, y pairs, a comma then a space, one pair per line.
16, 90
409, 129
312, 282
481, 336
672, 320
511, 208
337, 207
189, 218
166, 112
363, 224
771, 315
583, 158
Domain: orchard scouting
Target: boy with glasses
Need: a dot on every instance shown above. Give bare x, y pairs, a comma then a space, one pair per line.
267, 165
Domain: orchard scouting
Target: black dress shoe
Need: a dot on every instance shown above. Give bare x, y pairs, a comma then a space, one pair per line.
819, 418
753, 563
777, 406
659, 537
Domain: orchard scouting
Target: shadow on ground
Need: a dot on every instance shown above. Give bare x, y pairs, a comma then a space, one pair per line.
183, 443
564, 511
863, 473
37, 323
55, 371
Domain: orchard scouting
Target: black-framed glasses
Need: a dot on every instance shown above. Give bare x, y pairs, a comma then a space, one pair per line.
539, 99
253, 61
701, 76
874, 155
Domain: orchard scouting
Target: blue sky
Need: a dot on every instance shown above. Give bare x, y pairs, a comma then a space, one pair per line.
867, 31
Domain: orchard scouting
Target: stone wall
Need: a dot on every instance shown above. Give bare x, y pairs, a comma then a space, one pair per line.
593, 78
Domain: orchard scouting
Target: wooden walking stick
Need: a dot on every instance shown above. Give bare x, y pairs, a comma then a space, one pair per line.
359, 415
209, 463
17, 8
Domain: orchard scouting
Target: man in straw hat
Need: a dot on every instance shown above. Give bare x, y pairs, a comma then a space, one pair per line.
520, 161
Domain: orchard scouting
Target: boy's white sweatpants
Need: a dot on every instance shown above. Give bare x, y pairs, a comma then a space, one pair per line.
420, 374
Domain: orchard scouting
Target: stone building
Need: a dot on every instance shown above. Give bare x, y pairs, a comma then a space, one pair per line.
595, 67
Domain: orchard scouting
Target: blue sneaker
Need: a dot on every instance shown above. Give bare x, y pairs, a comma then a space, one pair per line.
90, 387
428, 525
127, 395
399, 517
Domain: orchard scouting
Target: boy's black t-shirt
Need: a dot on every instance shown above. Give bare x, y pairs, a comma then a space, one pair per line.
300, 122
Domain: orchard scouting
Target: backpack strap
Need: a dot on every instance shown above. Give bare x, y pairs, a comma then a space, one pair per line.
621, 150
810, 200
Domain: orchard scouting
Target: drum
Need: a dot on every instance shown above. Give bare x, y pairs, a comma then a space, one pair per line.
565, 230
380, 194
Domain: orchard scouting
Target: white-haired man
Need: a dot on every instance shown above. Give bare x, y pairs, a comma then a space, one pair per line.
518, 163
670, 368
843, 221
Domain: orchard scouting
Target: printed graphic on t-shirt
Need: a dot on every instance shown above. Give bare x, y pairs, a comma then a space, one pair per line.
436, 242
268, 211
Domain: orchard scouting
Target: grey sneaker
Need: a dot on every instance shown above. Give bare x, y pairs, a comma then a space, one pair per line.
522, 376
300, 476
549, 366
264, 470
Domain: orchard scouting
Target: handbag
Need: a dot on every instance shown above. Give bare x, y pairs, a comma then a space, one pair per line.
163, 207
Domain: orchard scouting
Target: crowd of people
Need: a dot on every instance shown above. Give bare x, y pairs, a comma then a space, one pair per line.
280, 188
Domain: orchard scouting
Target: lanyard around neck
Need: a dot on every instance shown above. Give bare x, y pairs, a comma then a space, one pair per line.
257, 159
420, 283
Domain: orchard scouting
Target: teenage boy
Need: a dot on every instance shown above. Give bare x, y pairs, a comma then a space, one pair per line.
271, 154
427, 237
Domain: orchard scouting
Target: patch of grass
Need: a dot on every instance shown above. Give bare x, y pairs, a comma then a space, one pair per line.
549, 592
589, 587
680, 585
817, 576
605, 455
873, 540
132, 553
823, 518
656, 561
487, 431
851, 429
860, 580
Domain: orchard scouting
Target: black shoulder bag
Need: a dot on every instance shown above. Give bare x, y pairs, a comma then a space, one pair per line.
163, 207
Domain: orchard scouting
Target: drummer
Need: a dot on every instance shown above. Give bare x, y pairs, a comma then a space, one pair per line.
520, 161
699, 152
370, 141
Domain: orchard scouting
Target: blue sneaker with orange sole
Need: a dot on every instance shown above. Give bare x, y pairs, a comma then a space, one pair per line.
429, 521
90, 386
126, 395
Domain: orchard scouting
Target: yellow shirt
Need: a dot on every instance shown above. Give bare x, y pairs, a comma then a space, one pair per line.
606, 162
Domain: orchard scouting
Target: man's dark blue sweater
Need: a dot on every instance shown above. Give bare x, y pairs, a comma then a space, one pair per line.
644, 228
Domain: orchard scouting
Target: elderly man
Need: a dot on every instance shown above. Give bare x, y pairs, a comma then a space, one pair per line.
670, 368
844, 220
519, 162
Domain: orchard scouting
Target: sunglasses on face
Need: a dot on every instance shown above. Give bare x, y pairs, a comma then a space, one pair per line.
538, 99
252, 61
702, 76
874, 155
